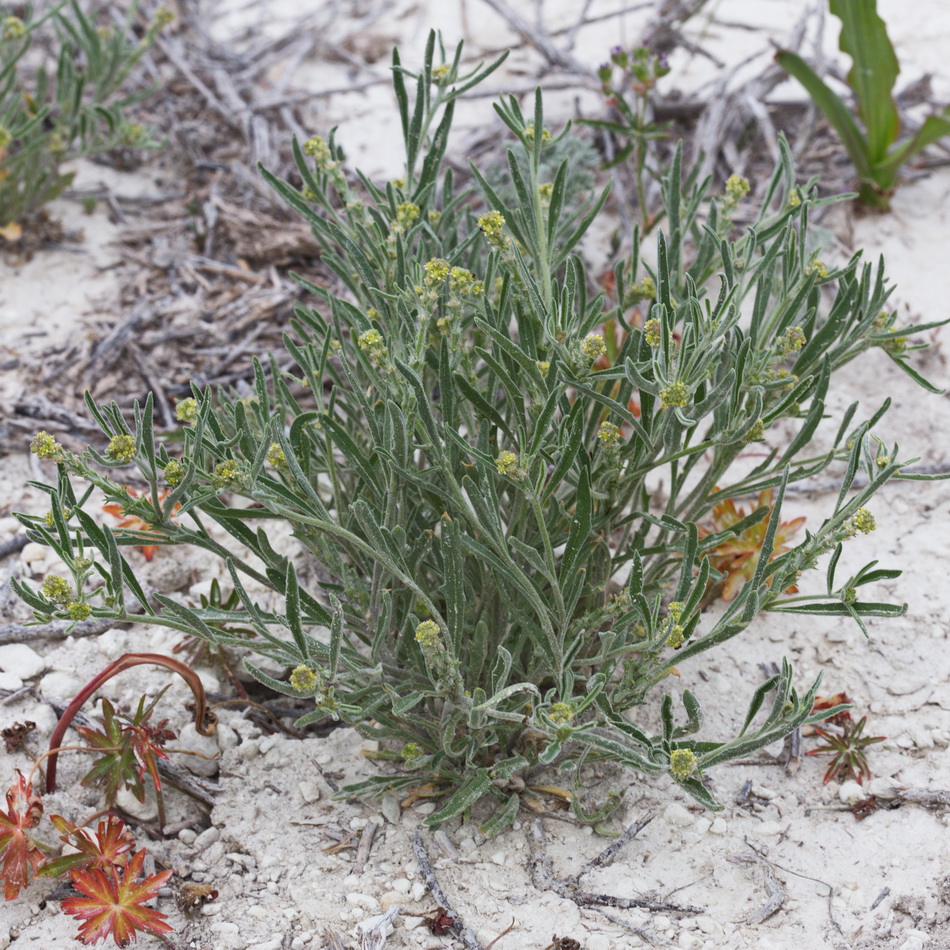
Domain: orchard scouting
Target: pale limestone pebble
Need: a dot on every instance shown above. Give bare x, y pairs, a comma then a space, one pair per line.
10, 682
499, 858
598, 942
44, 717
719, 826
915, 940
402, 885
881, 787
389, 807
771, 827
358, 824
248, 750
852, 792
33, 553
689, 941
144, 811
228, 934
273, 944
678, 815
21, 660
226, 737
701, 826
187, 836
9, 525
113, 643
418, 891
205, 760
207, 838
763, 791
426, 808
309, 791
707, 925
411, 923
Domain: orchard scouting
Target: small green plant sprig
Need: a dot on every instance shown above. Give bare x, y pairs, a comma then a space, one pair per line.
52, 115
500, 586
877, 152
627, 81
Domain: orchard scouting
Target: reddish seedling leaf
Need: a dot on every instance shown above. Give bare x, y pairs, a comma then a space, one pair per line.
134, 522
737, 557
111, 847
114, 902
20, 855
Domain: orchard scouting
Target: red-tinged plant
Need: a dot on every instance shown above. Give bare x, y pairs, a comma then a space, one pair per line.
847, 748
111, 847
115, 902
737, 557
130, 747
133, 523
20, 855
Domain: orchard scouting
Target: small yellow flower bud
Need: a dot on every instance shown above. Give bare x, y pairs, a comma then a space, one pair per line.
174, 472
44, 446
862, 520
276, 457
609, 435
737, 188
187, 410
121, 448
683, 763
57, 589
794, 338
428, 635
13, 28
303, 679
406, 212
492, 225
441, 73
436, 271
78, 611
674, 396
369, 340
561, 714
507, 464
227, 474
653, 332
593, 346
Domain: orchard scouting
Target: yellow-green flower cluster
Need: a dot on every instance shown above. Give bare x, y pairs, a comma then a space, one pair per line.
737, 188
561, 714
683, 763
44, 446
441, 73
543, 366
545, 190
428, 635
227, 474
411, 753
13, 28
674, 396
121, 448
492, 225
187, 410
371, 342
461, 280
78, 610
593, 346
318, 150
793, 340
644, 290
5, 137
794, 199
882, 461
529, 133
437, 270
508, 464
163, 17
676, 635
756, 433
276, 457
653, 332
174, 472
609, 435
406, 213
862, 520
303, 679
57, 589
817, 268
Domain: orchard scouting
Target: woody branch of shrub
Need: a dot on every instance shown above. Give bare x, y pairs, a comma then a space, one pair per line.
502, 589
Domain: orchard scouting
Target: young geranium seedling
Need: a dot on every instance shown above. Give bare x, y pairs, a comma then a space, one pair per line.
19, 855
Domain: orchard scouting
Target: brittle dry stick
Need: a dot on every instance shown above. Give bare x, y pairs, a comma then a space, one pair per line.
462, 932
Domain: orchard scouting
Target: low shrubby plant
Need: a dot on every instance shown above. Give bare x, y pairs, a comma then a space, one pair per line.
501, 513
53, 113
877, 151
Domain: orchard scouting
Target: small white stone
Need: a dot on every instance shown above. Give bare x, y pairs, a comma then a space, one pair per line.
250, 749
207, 838
770, 828
678, 815
309, 791
882, 788
20, 659
10, 681
59, 685
763, 791
410, 923
33, 553
718, 827
597, 942
389, 806
426, 808
390, 898
145, 811
915, 940
707, 925
402, 885
226, 736
499, 858
851, 792
702, 825
689, 941
187, 836
418, 891
190, 740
